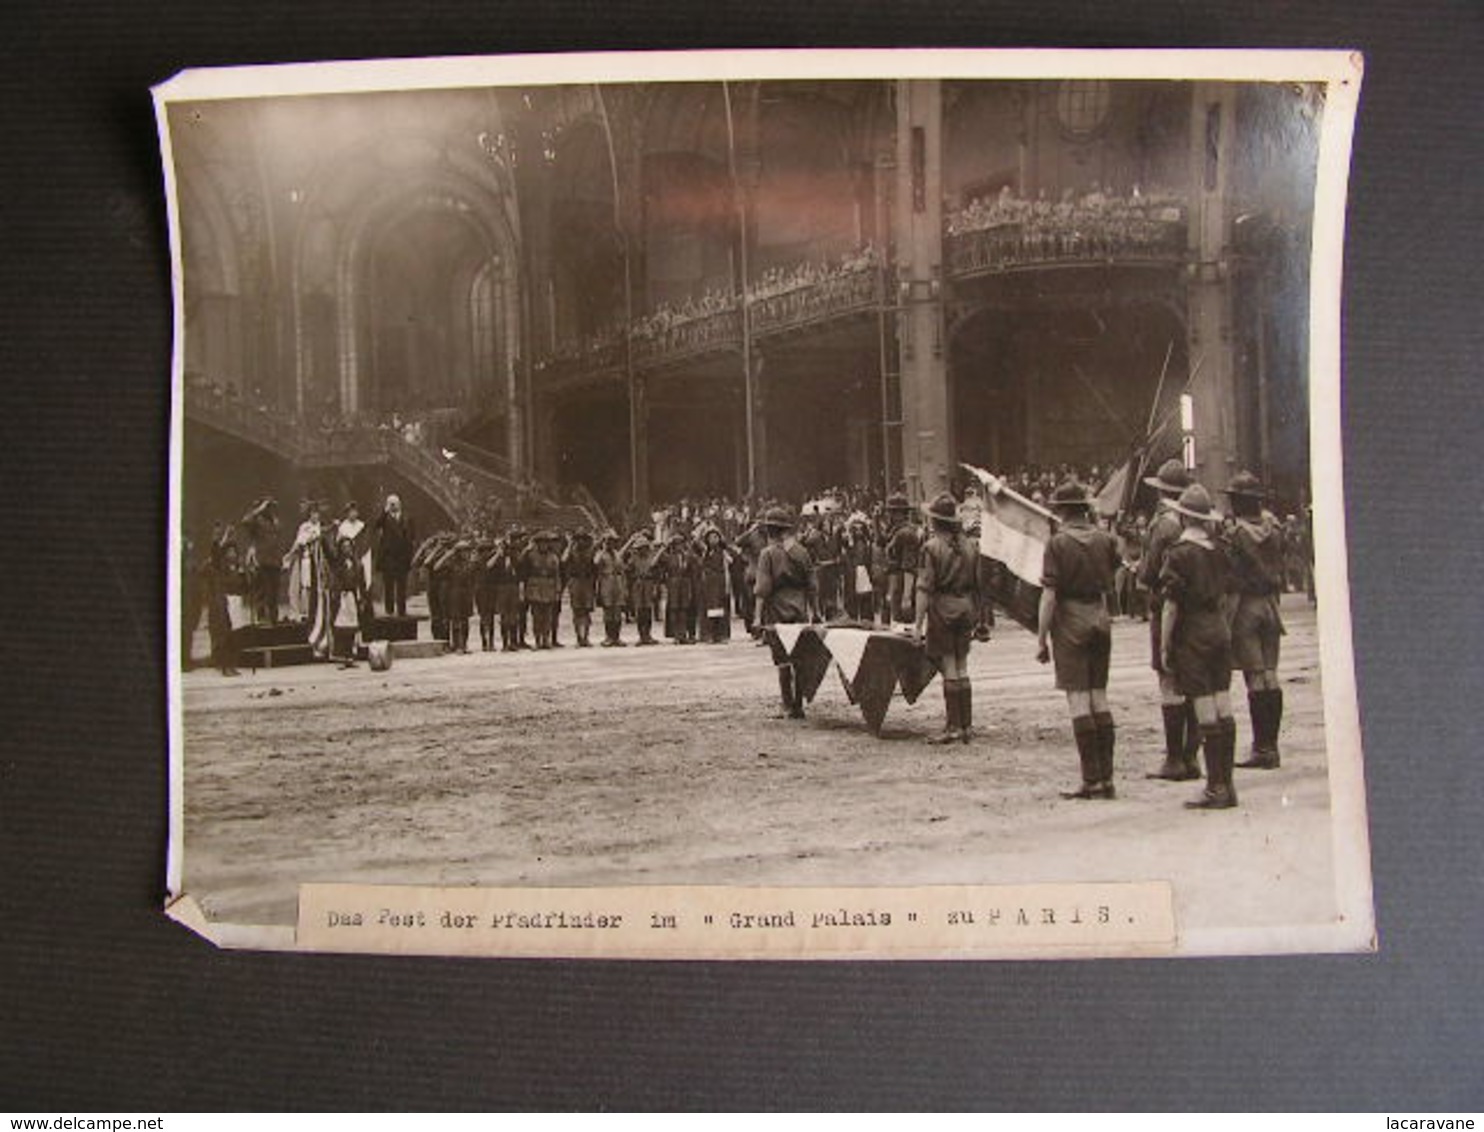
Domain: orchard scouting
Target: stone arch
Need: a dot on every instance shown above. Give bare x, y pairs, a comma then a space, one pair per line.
211, 284
452, 195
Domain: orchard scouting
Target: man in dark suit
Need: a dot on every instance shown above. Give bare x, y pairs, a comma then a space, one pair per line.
394, 545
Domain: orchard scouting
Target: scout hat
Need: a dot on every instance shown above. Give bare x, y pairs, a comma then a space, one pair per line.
944, 509
1195, 502
582, 535
1070, 495
896, 501
776, 518
1171, 479
1246, 485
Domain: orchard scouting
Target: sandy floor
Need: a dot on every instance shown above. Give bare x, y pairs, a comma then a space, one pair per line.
666, 766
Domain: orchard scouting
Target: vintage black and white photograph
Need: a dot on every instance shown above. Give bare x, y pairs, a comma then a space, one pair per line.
882, 470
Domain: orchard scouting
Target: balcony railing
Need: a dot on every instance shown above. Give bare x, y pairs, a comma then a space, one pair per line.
1038, 244
719, 330
833, 296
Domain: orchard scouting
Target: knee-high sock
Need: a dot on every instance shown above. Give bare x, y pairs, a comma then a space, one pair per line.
1174, 718
1089, 748
1106, 735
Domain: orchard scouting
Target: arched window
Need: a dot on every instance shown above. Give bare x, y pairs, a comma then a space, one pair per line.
1082, 107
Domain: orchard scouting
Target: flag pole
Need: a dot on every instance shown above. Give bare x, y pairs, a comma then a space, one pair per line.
1139, 454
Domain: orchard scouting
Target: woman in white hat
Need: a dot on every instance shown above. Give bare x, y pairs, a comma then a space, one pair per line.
1196, 643
859, 557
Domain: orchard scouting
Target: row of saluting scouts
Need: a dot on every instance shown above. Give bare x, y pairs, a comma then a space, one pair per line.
519, 581
1215, 583
701, 579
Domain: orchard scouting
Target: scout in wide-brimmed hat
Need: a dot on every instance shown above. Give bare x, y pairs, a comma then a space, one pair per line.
1182, 737
946, 614
1195, 503
777, 519
1171, 479
1196, 640
1245, 485
1073, 631
1070, 496
784, 592
1256, 538
903, 544
943, 509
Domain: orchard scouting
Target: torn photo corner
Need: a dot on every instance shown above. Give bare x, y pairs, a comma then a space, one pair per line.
968, 420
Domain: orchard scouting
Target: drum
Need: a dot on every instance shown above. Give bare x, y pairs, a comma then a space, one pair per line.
380, 655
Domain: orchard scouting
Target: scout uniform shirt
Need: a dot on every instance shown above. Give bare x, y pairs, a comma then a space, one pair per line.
785, 579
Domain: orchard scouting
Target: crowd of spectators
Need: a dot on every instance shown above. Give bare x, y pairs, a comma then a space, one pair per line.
1007, 228
1037, 481
1095, 223
780, 294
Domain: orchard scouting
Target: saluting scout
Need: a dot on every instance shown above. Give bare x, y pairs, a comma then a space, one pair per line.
612, 591
1076, 581
580, 572
644, 573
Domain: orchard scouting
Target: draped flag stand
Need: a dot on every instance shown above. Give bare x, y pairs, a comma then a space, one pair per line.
873, 664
